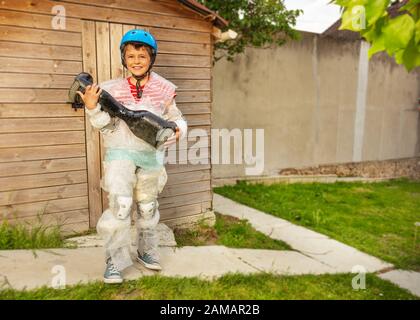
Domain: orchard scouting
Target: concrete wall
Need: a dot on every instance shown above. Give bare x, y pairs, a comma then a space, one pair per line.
308, 94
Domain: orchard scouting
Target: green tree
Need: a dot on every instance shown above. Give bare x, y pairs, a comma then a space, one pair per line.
259, 23
391, 26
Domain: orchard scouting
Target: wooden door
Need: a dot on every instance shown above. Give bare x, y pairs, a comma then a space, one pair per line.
101, 58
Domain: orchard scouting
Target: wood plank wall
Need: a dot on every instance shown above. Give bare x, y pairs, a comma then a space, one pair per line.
43, 163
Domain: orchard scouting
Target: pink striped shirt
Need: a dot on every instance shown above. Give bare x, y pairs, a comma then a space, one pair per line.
153, 89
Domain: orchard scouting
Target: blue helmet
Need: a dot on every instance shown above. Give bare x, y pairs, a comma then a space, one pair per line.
139, 36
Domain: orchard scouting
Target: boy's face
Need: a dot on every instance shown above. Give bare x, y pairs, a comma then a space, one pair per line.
137, 60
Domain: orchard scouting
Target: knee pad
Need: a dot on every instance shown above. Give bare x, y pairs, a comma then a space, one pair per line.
121, 206
148, 214
147, 210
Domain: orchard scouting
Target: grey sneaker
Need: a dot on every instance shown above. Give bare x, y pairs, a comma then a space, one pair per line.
112, 275
148, 261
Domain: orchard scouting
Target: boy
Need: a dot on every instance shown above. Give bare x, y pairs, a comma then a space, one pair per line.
130, 163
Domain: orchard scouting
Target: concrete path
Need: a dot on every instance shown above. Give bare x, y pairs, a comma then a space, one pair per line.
409, 280
332, 253
22, 269
28, 269
315, 254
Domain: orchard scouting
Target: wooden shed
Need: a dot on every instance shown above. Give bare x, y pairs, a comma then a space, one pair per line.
50, 157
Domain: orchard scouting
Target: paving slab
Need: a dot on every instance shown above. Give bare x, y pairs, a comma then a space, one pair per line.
209, 262
338, 255
281, 262
409, 280
29, 269
205, 262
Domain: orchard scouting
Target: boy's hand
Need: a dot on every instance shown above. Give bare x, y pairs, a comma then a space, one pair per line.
172, 139
91, 96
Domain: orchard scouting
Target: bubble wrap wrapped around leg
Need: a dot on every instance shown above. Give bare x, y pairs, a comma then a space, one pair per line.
149, 184
116, 235
148, 242
148, 219
119, 177
114, 224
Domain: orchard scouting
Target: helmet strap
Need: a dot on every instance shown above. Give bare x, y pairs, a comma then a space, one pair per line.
138, 85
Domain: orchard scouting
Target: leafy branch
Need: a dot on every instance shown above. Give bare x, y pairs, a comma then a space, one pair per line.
259, 23
390, 26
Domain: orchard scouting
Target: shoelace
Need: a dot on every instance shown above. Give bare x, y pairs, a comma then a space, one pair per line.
149, 258
112, 268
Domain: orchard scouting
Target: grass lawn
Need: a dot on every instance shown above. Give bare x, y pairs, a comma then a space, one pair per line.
20, 235
377, 218
36, 235
233, 286
230, 232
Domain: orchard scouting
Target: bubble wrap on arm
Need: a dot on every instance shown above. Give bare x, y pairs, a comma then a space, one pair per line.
172, 113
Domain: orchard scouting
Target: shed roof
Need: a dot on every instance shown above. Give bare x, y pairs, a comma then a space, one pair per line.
217, 20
